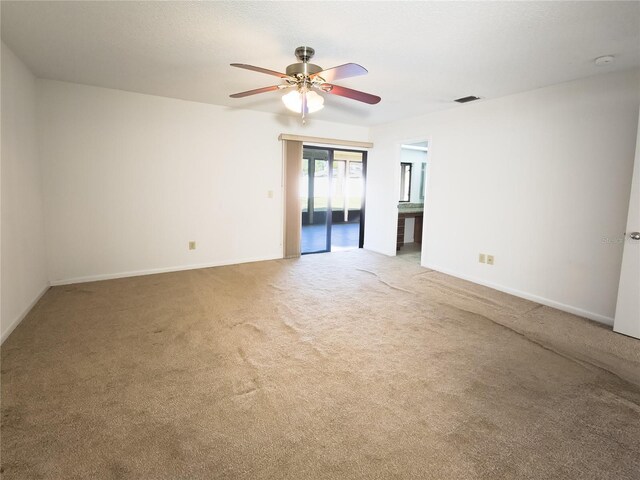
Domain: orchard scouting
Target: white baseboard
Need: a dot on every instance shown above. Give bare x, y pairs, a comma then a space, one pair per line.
528, 296
153, 271
21, 317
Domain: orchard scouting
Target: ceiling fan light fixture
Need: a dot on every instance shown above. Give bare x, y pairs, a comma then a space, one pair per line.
293, 101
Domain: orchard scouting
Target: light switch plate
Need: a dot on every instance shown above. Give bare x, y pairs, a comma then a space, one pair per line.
481, 258
490, 259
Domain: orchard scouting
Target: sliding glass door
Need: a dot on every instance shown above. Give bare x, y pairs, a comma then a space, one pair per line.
316, 202
332, 199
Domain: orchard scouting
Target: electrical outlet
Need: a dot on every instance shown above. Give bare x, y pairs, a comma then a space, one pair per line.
270, 194
192, 245
490, 259
481, 258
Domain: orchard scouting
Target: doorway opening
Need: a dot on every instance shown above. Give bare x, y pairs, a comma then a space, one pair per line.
332, 197
413, 181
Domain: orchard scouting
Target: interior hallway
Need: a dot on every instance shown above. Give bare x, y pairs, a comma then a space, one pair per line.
351, 365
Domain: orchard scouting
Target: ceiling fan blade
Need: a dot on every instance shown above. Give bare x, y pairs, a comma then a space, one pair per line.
260, 69
342, 71
349, 93
254, 92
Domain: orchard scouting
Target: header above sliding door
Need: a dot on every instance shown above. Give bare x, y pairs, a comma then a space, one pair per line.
325, 141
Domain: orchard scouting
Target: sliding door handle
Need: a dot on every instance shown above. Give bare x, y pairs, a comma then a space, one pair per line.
635, 235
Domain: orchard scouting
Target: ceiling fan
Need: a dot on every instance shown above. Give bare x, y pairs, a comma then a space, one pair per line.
305, 78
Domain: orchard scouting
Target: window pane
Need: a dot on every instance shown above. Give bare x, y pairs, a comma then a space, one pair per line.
355, 185
321, 185
338, 185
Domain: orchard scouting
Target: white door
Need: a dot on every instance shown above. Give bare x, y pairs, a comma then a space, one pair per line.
627, 319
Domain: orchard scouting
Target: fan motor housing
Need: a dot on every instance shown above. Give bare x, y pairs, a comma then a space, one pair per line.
304, 68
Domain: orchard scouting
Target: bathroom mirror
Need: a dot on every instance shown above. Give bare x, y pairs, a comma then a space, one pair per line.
405, 181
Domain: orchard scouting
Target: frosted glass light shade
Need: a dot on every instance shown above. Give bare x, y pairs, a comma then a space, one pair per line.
293, 101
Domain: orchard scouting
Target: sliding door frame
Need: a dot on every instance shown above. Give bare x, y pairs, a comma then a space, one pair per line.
329, 223
364, 195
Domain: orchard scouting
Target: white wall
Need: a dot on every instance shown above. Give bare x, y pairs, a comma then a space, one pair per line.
130, 179
536, 179
23, 268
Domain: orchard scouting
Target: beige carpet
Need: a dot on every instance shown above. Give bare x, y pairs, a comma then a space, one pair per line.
349, 365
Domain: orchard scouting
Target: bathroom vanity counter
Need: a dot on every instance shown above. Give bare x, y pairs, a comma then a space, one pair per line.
409, 210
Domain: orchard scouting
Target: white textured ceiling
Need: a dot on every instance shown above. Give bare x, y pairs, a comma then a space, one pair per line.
420, 55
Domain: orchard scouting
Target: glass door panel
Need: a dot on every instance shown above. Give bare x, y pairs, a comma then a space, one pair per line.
346, 199
316, 203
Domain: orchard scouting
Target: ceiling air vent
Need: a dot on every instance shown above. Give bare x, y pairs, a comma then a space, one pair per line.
470, 98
